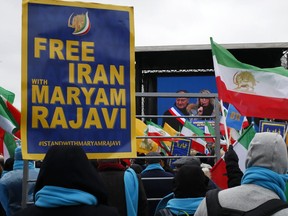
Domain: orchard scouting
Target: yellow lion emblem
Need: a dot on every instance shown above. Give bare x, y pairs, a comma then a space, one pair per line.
80, 23
244, 81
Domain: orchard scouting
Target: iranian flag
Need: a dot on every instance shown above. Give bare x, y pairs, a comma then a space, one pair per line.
9, 127
219, 174
242, 145
223, 121
9, 123
157, 131
209, 131
198, 143
255, 92
8, 144
144, 145
245, 123
8, 95
7, 120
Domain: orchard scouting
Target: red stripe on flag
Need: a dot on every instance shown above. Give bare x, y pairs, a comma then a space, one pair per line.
2, 134
17, 116
161, 138
198, 146
219, 174
252, 104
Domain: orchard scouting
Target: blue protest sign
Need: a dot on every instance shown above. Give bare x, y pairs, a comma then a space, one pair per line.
277, 127
78, 78
234, 118
181, 147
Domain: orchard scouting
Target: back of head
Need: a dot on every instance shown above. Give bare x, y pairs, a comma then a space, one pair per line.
182, 91
187, 161
8, 165
155, 160
190, 182
137, 168
69, 167
268, 150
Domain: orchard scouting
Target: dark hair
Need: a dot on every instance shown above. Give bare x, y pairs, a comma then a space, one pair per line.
184, 91
8, 165
189, 181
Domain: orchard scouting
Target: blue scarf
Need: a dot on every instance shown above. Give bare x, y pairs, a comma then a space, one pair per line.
53, 196
266, 178
131, 191
163, 202
184, 206
153, 167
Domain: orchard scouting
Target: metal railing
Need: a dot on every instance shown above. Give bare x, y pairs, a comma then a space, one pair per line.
153, 95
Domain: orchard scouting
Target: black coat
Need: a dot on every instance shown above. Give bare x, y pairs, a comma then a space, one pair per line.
113, 176
83, 210
156, 188
68, 167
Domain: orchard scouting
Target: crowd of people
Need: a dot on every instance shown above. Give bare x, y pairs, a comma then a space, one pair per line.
67, 182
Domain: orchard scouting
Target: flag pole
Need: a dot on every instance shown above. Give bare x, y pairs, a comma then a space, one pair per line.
225, 126
285, 135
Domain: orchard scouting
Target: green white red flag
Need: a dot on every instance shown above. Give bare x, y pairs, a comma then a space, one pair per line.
219, 172
7, 140
198, 143
9, 145
209, 131
254, 91
156, 130
7, 121
8, 95
242, 145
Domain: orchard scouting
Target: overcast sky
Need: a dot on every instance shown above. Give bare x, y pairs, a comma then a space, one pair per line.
163, 22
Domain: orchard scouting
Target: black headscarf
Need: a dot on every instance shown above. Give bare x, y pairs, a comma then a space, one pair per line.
69, 167
190, 182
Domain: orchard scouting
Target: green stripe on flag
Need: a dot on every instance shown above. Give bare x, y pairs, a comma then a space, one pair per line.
194, 129
210, 128
153, 124
224, 57
10, 96
10, 144
247, 136
7, 121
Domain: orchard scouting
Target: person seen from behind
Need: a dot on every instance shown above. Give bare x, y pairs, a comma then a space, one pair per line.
125, 188
8, 165
264, 179
68, 184
188, 191
11, 185
157, 182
